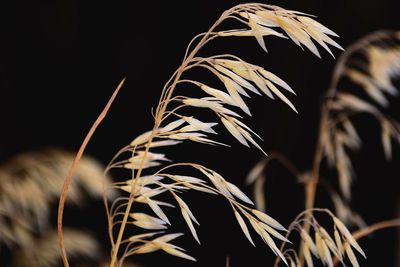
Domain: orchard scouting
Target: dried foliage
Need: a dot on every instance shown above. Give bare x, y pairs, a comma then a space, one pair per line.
362, 83
31, 183
324, 246
258, 178
172, 126
30, 186
45, 252
371, 64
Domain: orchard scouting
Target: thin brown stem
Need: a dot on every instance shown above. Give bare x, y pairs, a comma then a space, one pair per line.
68, 180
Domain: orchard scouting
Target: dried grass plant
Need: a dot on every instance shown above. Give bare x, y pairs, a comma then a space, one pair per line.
173, 125
362, 83
30, 186
46, 253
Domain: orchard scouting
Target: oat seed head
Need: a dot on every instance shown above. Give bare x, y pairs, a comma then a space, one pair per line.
370, 66
238, 80
327, 244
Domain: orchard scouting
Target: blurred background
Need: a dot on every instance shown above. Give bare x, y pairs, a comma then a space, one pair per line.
61, 60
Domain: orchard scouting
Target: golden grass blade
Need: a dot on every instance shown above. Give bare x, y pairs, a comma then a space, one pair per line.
351, 256
188, 220
157, 210
188, 216
147, 222
199, 125
268, 220
307, 256
168, 237
251, 140
244, 227
238, 193
141, 139
234, 131
323, 250
233, 89
149, 225
136, 238
164, 143
339, 244
274, 232
185, 178
238, 79
316, 24
346, 233
257, 34
242, 125
200, 189
309, 242
175, 252
172, 126
268, 240
260, 84
278, 93
147, 248
224, 97
275, 79
184, 206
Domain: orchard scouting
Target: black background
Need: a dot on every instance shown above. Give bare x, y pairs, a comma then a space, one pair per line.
61, 60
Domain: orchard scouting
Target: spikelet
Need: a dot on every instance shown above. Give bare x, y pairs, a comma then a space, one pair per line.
161, 242
325, 246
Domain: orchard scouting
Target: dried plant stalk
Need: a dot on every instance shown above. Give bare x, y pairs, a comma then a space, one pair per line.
68, 180
337, 133
171, 127
370, 65
237, 77
324, 247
